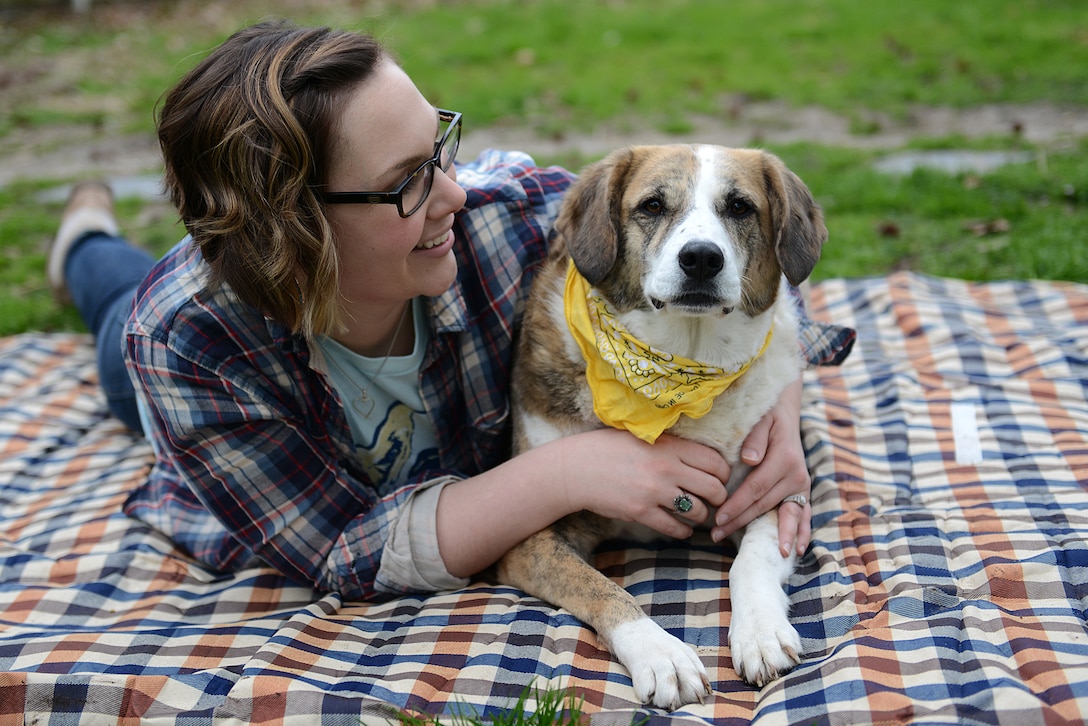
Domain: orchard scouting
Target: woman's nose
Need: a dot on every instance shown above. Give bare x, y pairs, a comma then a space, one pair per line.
449, 188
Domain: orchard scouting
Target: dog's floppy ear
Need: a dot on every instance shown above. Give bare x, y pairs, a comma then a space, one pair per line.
798, 221
589, 221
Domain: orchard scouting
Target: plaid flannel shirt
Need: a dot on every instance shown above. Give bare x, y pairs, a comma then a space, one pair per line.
255, 459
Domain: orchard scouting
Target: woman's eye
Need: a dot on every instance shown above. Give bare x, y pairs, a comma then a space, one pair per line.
412, 182
653, 206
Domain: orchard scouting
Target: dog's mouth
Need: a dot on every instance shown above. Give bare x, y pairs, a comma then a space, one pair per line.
693, 303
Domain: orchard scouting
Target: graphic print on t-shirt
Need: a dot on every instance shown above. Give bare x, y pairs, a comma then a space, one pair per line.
388, 456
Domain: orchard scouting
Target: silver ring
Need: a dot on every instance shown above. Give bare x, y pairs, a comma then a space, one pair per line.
796, 499
682, 504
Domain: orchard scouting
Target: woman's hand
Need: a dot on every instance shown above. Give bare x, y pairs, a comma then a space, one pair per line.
617, 475
610, 472
774, 450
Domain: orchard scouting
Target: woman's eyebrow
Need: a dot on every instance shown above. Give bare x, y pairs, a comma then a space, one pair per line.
410, 163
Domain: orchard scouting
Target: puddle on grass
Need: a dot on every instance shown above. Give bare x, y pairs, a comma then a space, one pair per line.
951, 161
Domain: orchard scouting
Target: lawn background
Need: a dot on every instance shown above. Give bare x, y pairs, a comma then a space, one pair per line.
562, 69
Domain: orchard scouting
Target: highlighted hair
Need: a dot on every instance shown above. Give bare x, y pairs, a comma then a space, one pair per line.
246, 138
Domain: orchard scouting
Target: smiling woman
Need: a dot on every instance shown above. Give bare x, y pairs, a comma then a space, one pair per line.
324, 372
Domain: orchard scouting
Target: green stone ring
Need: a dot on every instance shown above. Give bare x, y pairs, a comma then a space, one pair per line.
683, 503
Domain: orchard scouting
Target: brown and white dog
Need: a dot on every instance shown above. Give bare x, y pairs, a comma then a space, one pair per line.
691, 247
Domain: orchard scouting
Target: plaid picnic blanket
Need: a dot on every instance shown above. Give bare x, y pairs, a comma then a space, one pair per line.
947, 581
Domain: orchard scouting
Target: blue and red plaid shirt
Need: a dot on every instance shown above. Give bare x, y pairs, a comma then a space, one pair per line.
255, 456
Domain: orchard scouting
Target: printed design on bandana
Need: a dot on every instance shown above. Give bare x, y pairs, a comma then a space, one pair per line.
389, 457
655, 374
635, 386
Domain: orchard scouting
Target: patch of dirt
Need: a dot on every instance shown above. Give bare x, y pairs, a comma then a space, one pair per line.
72, 152
75, 153
756, 124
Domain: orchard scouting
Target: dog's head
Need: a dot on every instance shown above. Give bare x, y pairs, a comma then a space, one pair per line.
696, 230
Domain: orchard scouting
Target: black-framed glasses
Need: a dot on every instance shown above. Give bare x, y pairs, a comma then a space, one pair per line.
413, 191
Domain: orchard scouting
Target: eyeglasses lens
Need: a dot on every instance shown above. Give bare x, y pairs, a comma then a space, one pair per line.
449, 150
417, 189
419, 186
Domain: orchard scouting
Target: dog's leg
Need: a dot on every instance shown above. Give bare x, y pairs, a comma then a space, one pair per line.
552, 565
763, 642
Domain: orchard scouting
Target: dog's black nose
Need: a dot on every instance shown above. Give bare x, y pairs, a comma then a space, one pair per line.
701, 261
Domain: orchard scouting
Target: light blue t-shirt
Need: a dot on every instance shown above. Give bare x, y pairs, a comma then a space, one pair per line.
394, 438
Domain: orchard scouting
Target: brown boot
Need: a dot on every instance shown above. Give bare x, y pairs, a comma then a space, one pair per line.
89, 209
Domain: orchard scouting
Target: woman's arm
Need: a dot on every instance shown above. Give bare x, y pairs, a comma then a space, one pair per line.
609, 472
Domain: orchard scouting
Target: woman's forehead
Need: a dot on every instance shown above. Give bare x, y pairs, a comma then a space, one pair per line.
387, 128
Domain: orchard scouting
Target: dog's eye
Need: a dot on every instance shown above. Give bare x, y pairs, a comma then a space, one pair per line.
739, 208
653, 206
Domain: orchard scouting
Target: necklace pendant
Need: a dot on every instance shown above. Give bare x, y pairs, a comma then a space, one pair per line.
363, 401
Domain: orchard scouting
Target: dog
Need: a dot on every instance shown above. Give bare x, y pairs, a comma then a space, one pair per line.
687, 248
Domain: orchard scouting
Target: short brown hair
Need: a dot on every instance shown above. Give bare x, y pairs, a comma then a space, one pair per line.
246, 138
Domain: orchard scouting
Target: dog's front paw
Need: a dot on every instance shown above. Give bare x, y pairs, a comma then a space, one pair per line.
664, 670
763, 647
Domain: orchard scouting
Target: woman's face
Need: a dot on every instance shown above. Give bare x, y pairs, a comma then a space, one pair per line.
387, 130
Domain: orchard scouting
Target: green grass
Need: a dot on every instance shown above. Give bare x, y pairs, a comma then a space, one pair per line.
559, 64
566, 63
562, 67
951, 225
27, 227
534, 707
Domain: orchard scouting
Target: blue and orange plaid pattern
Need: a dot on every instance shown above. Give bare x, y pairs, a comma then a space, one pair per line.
946, 582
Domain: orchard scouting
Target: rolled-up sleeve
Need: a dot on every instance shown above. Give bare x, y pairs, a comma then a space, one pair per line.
411, 560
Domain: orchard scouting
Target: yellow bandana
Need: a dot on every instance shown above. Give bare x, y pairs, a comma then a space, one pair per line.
635, 386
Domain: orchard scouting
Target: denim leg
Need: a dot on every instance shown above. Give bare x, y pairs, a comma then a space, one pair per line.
102, 273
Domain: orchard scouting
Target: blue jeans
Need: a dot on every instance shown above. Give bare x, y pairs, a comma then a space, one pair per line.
102, 273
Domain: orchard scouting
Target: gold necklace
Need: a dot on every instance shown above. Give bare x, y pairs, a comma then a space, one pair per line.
364, 393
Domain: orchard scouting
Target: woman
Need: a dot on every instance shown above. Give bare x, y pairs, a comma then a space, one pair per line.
322, 365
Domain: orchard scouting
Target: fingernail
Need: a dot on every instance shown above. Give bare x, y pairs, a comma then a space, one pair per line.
786, 549
717, 535
749, 455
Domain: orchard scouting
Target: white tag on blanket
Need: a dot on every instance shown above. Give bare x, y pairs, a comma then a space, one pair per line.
965, 434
